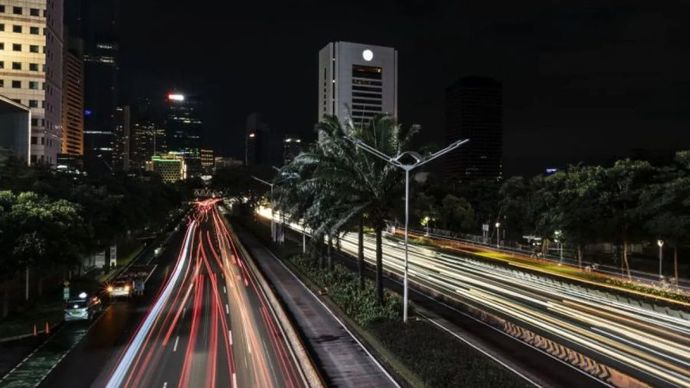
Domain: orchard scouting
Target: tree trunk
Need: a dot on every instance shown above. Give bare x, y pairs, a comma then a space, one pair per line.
675, 263
360, 252
625, 263
26, 284
330, 252
6, 298
579, 256
40, 285
379, 265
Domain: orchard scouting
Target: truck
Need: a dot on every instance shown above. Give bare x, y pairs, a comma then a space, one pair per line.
131, 281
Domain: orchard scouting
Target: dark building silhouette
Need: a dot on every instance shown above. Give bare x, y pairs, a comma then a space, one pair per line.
473, 111
262, 143
96, 22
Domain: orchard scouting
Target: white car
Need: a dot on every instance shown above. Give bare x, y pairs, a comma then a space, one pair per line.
120, 288
83, 308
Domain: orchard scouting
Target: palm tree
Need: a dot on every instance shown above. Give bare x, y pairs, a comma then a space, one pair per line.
335, 184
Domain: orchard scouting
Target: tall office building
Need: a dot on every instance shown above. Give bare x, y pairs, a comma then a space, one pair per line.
473, 111
357, 81
122, 139
96, 22
31, 50
73, 98
147, 133
183, 128
292, 146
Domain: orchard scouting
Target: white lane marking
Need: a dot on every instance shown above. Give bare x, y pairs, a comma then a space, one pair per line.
165, 384
177, 339
135, 346
234, 379
227, 310
230, 336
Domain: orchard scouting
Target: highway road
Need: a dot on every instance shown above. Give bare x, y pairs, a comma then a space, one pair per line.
649, 343
210, 325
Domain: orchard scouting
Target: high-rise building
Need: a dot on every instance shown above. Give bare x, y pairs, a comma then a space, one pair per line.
122, 139
73, 98
292, 146
31, 62
473, 111
357, 81
207, 160
15, 128
183, 128
96, 22
171, 167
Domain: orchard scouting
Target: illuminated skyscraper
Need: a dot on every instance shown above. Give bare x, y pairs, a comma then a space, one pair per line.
183, 129
357, 81
73, 99
31, 50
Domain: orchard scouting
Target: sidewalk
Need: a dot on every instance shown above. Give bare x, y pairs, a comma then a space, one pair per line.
344, 361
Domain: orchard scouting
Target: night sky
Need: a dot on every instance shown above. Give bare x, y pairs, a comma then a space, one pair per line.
582, 80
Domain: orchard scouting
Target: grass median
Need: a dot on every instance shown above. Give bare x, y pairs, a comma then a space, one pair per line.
419, 352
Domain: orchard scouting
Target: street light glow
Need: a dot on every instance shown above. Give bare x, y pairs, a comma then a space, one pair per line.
175, 97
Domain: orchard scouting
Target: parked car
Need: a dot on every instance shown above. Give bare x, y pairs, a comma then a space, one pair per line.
83, 308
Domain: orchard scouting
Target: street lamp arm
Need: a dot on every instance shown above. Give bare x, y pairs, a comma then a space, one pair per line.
262, 181
442, 152
360, 144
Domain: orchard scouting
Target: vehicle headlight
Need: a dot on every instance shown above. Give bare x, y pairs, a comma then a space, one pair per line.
110, 288
126, 288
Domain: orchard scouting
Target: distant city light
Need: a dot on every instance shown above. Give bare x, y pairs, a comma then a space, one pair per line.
252, 135
550, 171
87, 112
176, 97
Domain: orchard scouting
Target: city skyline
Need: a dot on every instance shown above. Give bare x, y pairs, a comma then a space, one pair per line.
594, 81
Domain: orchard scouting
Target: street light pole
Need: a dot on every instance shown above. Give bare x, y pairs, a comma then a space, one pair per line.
660, 243
498, 235
396, 161
273, 226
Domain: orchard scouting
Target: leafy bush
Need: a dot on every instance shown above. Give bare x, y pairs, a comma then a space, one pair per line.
343, 287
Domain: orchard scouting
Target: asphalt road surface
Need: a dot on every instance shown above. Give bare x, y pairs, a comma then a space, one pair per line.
210, 325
